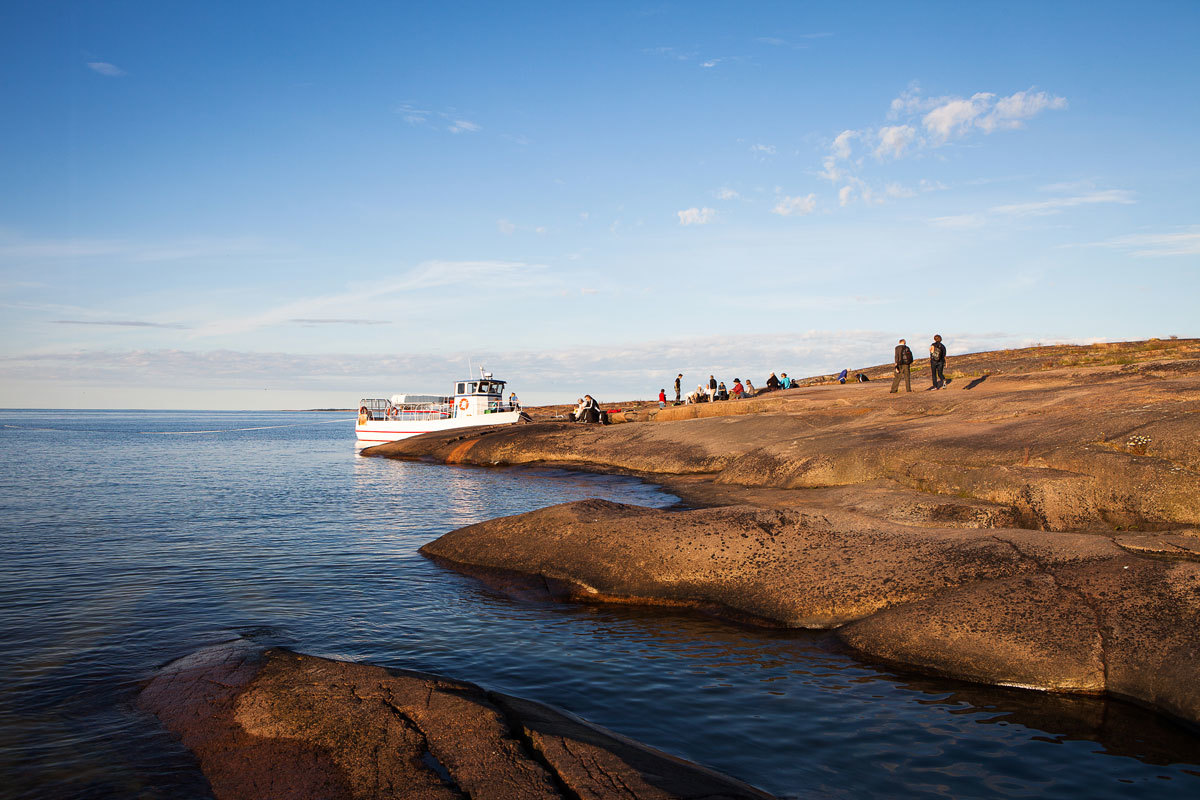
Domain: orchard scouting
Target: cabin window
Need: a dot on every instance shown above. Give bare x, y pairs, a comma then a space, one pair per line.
462, 388
470, 388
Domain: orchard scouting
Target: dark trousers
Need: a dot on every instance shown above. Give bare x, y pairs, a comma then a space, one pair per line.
935, 368
904, 370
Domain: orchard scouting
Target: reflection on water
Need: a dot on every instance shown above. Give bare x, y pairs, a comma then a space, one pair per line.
157, 545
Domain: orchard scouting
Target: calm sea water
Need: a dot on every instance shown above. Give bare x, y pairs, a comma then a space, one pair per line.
128, 539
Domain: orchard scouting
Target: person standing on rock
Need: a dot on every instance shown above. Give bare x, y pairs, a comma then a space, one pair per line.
904, 359
678, 378
937, 361
712, 388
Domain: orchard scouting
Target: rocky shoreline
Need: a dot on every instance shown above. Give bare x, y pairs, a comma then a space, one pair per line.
1032, 526
271, 723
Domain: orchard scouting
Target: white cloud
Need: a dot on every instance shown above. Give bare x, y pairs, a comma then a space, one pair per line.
795, 206
106, 69
845, 194
830, 171
696, 216
893, 140
462, 125
725, 193
1009, 112
953, 117
15, 249
1153, 245
765, 149
1057, 204
617, 371
841, 144
413, 115
896, 191
505, 227
1037, 208
428, 275
958, 221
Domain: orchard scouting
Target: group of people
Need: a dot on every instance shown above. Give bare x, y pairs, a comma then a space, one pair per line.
588, 410
715, 390
937, 365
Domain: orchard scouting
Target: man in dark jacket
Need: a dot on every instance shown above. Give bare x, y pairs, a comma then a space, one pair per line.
904, 359
678, 378
937, 361
772, 383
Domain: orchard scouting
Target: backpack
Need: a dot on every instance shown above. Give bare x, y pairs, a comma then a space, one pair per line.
939, 352
906, 355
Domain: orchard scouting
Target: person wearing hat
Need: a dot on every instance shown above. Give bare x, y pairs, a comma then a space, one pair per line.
937, 361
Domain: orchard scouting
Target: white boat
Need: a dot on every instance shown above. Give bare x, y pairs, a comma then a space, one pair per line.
475, 403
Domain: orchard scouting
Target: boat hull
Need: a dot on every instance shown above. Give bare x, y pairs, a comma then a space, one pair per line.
374, 432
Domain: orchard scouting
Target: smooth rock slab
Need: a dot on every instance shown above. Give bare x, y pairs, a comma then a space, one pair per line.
278, 724
1064, 612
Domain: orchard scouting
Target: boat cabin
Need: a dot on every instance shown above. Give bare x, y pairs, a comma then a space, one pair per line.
482, 396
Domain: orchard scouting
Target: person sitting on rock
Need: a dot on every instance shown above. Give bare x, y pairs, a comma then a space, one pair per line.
842, 375
738, 391
662, 398
784, 381
722, 392
749, 388
591, 409
862, 378
772, 383
577, 413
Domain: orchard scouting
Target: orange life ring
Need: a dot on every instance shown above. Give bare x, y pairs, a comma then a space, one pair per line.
463, 404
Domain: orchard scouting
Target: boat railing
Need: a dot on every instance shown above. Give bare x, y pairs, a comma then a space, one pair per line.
409, 412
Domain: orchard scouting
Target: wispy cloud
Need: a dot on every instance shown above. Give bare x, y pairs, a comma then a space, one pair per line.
763, 149
16, 248
106, 69
453, 120
429, 275
795, 206
616, 371
1057, 204
725, 193
696, 216
331, 321
1035, 208
120, 323
1184, 242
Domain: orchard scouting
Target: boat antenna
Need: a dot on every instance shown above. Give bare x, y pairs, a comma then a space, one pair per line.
470, 369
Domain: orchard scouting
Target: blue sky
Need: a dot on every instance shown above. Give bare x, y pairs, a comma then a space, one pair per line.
279, 205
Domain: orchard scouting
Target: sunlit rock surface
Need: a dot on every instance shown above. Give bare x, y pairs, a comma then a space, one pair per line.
1034, 524
278, 724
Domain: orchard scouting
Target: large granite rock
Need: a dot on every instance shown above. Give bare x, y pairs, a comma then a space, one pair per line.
1033, 525
1065, 612
277, 724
